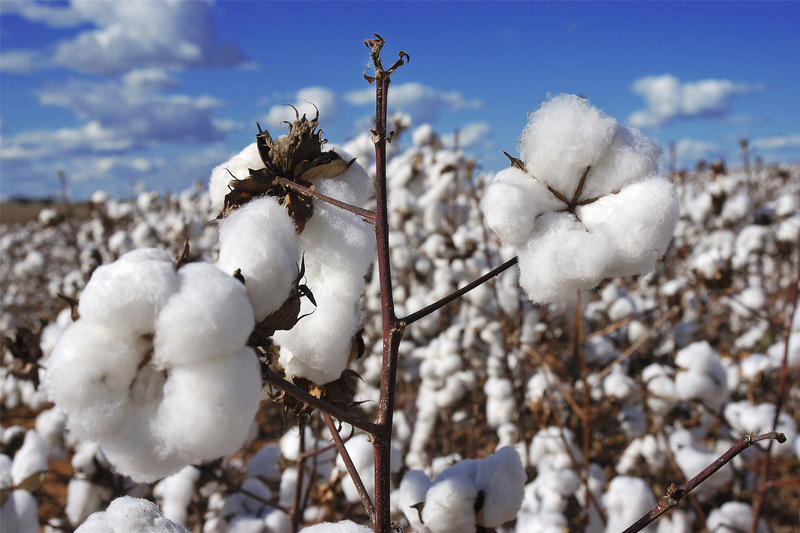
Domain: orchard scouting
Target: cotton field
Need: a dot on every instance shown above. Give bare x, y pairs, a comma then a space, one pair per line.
573, 413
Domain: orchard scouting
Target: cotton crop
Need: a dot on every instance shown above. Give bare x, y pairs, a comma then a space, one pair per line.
475, 492
156, 369
585, 201
130, 515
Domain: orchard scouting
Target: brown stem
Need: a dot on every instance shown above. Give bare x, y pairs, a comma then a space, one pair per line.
351, 468
298, 487
363, 213
782, 390
580, 354
675, 495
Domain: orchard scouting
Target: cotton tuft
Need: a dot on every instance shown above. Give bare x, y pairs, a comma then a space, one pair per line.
588, 205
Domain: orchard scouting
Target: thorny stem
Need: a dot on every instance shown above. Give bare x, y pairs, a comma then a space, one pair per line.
351, 468
366, 214
675, 495
759, 498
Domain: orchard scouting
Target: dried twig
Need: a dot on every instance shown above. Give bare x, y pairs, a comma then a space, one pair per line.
351, 469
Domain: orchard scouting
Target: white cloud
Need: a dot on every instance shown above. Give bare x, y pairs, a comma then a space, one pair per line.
778, 142
22, 61
689, 151
473, 135
47, 13
421, 101
668, 99
160, 33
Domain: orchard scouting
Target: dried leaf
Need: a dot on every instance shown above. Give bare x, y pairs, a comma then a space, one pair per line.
32, 482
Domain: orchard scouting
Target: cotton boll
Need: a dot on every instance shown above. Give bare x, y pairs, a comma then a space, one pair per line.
355, 177
777, 350
31, 266
208, 316
228, 388
449, 506
51, 424
129, 515
512, 202
176, 492
128, 293
20, 513
83, 499
413, 489
259, 239
562, 138
235, 168
627, 500
702, 376
93, 398
730, 517
265, 464
500, 477
551, 445
692, 461
30, 459
500, 403
745, 419
630, 156
345, 526
676, 521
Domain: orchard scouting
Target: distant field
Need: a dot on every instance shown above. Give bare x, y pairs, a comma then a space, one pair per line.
26, 210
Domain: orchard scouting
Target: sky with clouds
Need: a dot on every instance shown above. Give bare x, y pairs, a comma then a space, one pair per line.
128, 94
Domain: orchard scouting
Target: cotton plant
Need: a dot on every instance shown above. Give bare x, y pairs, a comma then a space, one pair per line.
157, 369
584, 202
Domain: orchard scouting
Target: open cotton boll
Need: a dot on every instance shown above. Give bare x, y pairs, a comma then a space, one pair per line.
20, 513
745, 419
176, 492
238, 167
730, 517
355, 177
209, 316
563, 137
701, 375
501, 479
449, 506
130, 515
30, 459
413, 489
265, 464
83, 499
626, 500
346, 526
259, 239
128, 293
630, 157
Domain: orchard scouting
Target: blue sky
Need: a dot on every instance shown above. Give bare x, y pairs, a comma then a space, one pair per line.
156, 93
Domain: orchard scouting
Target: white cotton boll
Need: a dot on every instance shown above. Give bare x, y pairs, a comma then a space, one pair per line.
754, 366
633, 422
259, 239
692, 461
265, 464
20, 513
730, 517
31, 266
345, 526
235, 168
637, 223
621, 308
30, 459
512, 202
51, 424
129, 292
551, 444
544, 521
355, 176
94, 398
701, 375
736, 208
777, 350
636, 330
627, 500
277, 522
130, 515
501, 478
176, 492
208, 408
119, 242
745, 419
676, 521
500, 403
413, 489
83, 499
619, 385
449, 506
630, 156
788, 230
363, 457
209, 316
562, 138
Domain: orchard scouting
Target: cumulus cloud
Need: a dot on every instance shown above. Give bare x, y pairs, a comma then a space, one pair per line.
157, 33
473, 135
307, 101
778, 142
49, 13
422, 102
669, 100
120, 116
689, 151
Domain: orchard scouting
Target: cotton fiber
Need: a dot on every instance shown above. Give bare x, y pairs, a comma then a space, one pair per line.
588, 205
156, 369
130, 515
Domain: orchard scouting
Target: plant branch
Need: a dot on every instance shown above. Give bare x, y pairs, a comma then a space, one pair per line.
351, 468
425, 311
298, 487
363, 213
674, 495
296, 392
